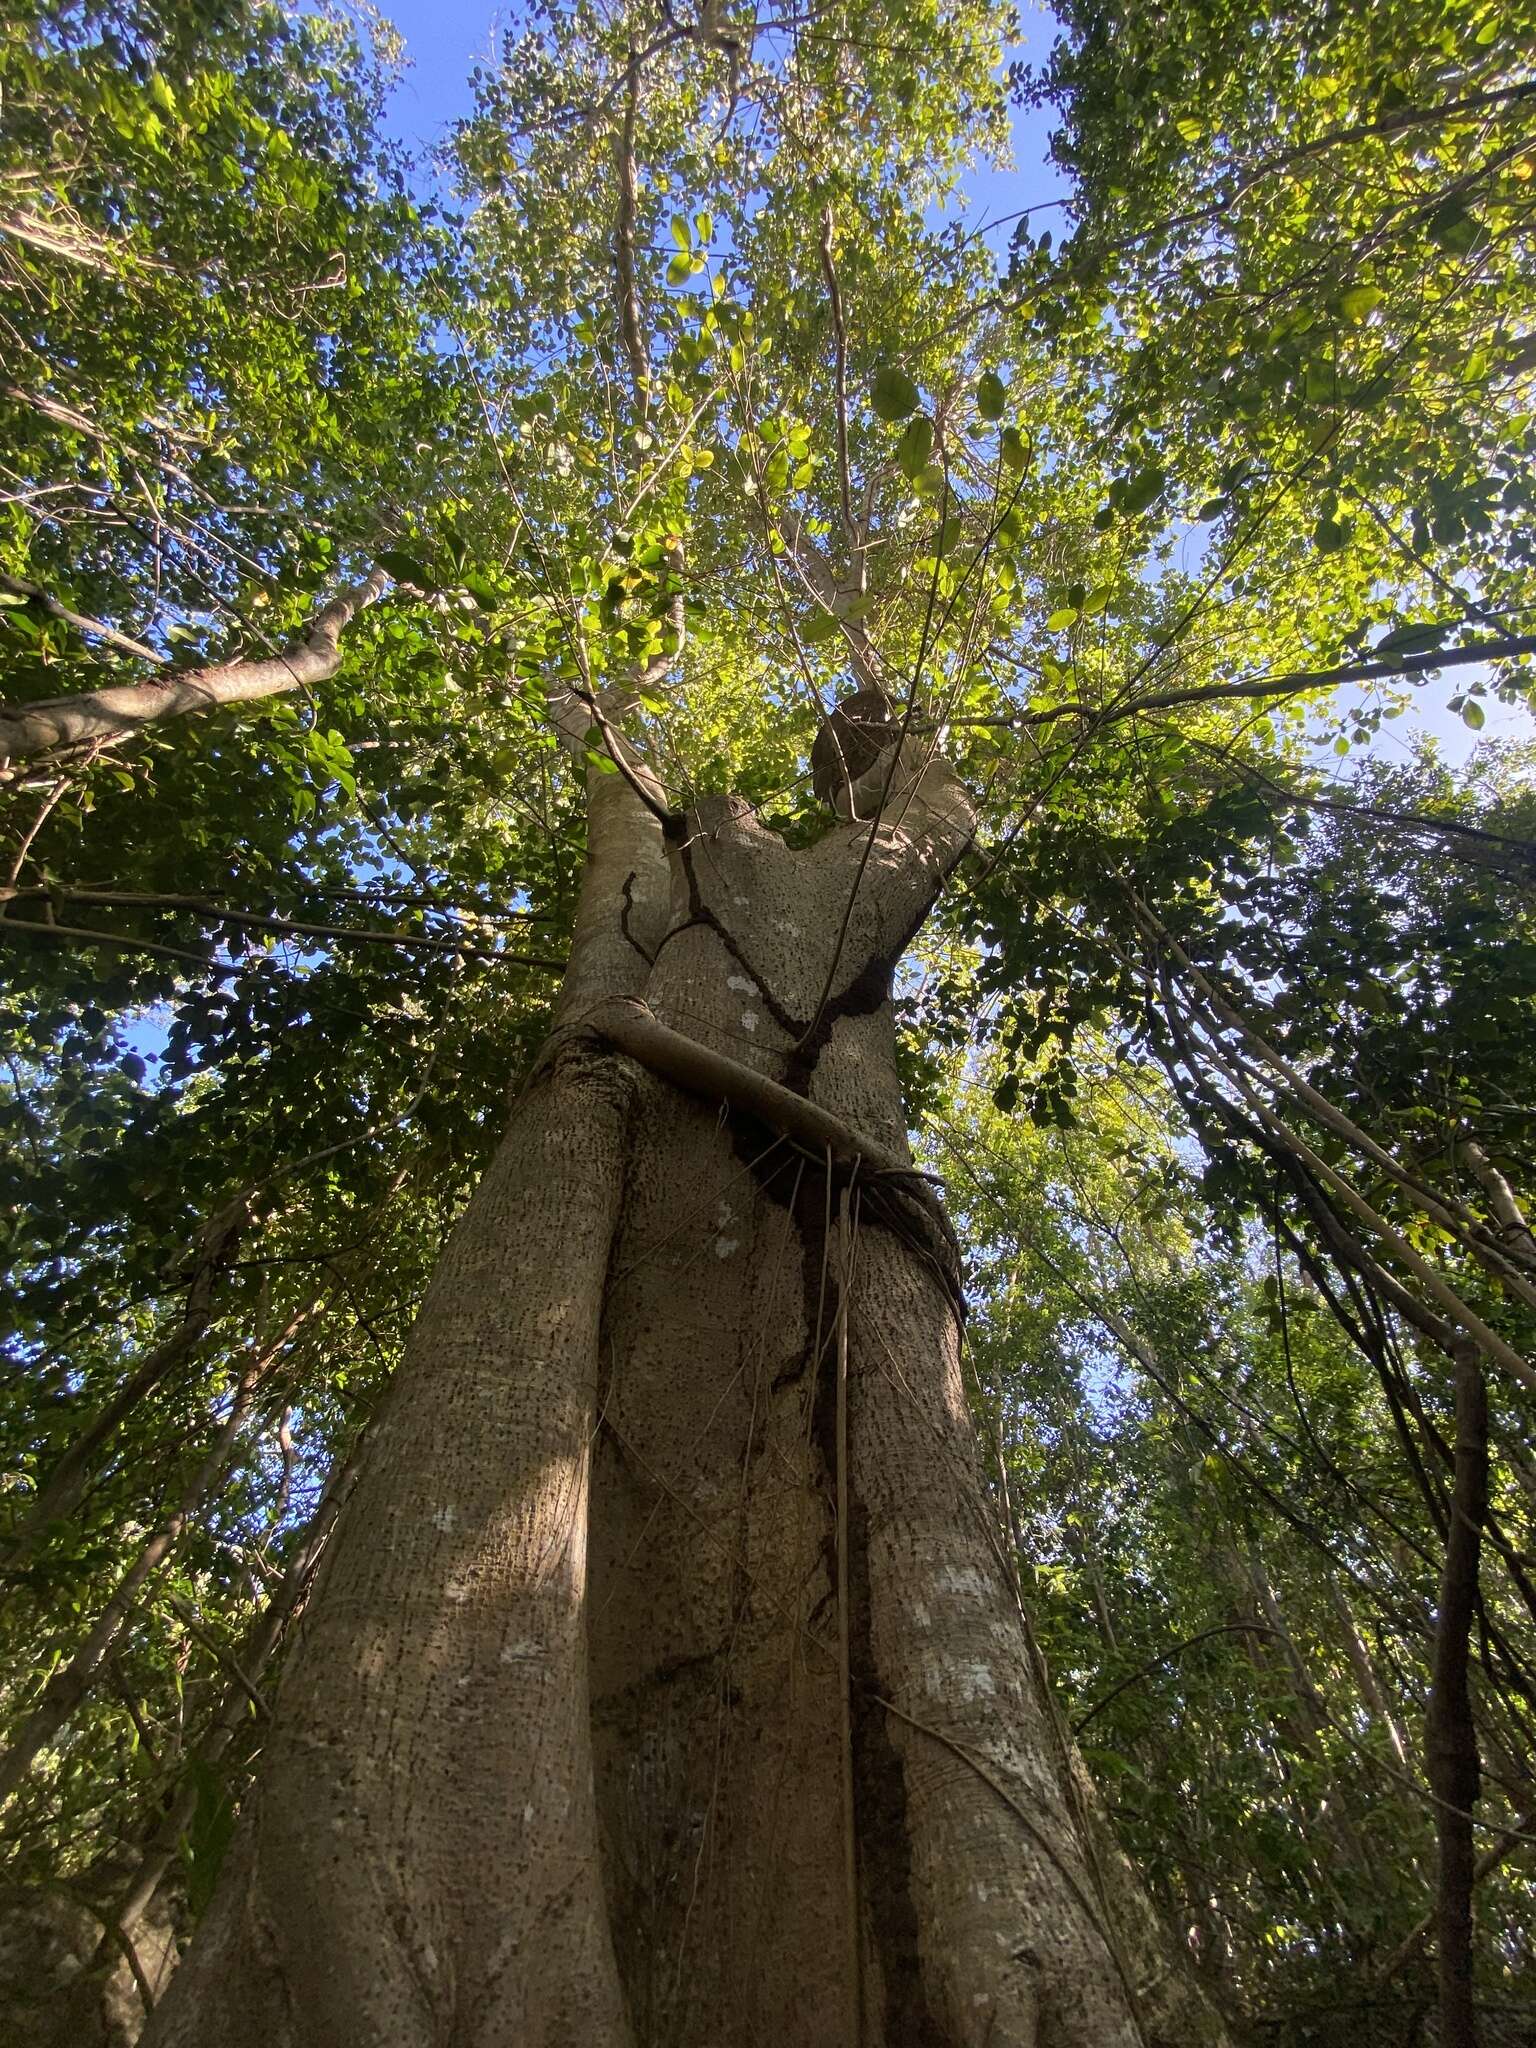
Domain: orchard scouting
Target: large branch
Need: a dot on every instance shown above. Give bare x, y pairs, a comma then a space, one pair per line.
894, 1191
27, 730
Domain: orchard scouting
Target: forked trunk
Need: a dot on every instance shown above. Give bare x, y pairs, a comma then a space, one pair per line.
667, 1682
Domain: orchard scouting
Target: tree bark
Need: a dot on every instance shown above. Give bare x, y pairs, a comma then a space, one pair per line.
565, 1748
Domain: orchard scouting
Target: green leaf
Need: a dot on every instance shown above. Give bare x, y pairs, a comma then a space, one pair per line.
914, 447
1142, 489
405, 568
1457, 230
893, 394
1472, 714
1096, 600
680, 269
681, 234
991, 395
1416, 639
208, 1834
1013, 449
1329, 536
1360, 302
1060, 620
823, 627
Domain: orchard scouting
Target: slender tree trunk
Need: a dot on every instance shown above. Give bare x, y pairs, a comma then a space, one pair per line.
1450, 1747
1364, 1668
565, 1750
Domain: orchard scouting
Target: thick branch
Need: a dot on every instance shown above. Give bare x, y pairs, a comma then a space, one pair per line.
115, 712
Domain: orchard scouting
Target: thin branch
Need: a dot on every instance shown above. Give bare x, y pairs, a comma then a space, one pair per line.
840, 345
82, 622
222, 914
1504, 647
624, 240
1231, 1628
1397, 123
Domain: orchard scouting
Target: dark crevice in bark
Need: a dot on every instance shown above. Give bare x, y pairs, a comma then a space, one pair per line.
916, 1219
626, 911
671, 1672
864, 994
868, 990
882, 1823
821, 1311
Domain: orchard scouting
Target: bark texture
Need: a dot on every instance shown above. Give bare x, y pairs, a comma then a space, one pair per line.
565, 1749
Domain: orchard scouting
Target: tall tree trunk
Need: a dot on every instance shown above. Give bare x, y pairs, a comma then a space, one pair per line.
564, 1751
